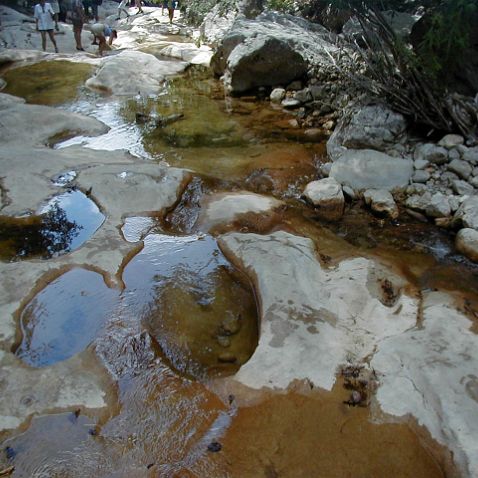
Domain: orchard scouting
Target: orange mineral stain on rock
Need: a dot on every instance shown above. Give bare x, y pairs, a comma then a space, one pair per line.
316, 435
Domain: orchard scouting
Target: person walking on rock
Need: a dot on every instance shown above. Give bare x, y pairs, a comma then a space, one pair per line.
94, 8
43, 15
122, 8
56, 9
140, 8
77, 19
171, 10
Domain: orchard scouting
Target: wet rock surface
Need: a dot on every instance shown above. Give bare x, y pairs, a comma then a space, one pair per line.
348, 333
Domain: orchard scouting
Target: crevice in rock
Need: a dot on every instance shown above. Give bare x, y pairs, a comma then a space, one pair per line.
4, 199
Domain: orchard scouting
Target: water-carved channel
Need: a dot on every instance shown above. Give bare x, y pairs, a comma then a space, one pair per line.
172, 317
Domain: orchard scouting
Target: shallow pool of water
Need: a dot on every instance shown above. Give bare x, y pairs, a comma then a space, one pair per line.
64, 317
200, 310
47, 82
59, 226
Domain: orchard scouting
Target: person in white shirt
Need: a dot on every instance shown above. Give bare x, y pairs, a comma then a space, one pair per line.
43, 15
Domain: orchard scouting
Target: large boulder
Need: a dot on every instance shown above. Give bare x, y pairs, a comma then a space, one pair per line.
369, 169
367, 127
133, 72
255, 63
270, 50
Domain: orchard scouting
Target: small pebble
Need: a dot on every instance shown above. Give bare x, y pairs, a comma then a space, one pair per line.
356, 397
214, 446
10, 452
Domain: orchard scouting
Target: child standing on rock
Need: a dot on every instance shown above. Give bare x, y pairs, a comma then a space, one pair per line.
44, 15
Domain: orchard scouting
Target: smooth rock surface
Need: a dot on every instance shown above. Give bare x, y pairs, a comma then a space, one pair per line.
430, 372
438, 206
312, 319
226, 207
48, 122
461, 168
462, 188
326, 195
358, 169
277, 95
467, 214
451, 140
431, 153
133, 72
466, 242
420, 176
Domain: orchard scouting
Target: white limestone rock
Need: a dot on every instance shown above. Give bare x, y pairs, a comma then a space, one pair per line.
77, 382
420, 164
467, 214
327, 196
430, 372
438, 206
313, 320
466, 242
431, 153
451, 140
421, 176
189, 52
381, 202
223, 208
462, 188
270, 49
461, 168
372, 127
369, 169
471, 155
277, 95
133, 72
48, 122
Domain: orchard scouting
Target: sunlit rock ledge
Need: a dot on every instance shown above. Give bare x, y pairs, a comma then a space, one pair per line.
316, 320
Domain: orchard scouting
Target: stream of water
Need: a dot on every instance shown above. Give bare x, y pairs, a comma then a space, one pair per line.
186, 318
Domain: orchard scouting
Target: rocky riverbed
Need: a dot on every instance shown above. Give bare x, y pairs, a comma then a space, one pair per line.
249, 294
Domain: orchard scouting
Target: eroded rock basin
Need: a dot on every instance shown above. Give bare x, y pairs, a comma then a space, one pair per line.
210, 329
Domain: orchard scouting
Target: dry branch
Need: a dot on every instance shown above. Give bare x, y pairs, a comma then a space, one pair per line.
394, 73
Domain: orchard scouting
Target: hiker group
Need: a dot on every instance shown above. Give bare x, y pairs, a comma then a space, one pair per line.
78, 12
